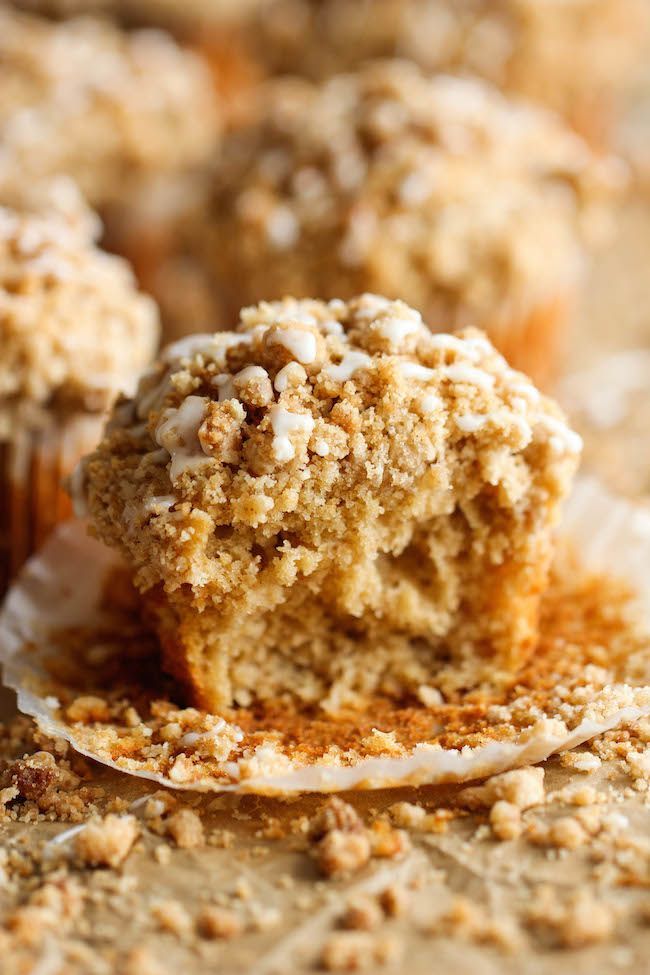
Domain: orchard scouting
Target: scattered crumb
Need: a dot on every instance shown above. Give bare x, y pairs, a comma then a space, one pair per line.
106, 842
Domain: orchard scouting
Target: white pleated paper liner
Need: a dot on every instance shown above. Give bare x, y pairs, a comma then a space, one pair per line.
86, 670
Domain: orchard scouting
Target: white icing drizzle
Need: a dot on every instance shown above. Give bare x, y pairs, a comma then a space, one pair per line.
250, 372
397, 329
224, 383
471, 422
527, 390
332, 327
300, 344
430, 403
562, 439
162, 502
178, 433
460, 373
349, 364
283, 423
292, 372
321, 447
416, 371
189, 346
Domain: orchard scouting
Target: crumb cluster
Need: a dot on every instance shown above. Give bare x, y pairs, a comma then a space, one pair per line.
105, 107
331, 500
439, 191
74, 329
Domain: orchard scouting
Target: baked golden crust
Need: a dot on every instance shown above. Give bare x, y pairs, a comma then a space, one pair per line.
332, 500
474, 209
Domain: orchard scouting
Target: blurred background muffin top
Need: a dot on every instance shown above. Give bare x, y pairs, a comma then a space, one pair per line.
74, 330
577, 56
108, 108
472, 207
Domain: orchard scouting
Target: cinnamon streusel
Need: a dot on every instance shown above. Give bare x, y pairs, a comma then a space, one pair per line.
332, 501
474, 209
73, 332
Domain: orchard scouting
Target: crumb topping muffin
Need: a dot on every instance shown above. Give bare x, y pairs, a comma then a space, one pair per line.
474, 209
573, 55
73, 328
103, 106
332, 501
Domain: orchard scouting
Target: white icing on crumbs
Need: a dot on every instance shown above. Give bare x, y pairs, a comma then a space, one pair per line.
561, 439
527, 390
397, 329
160, 502
349, 364
451, 343
189, 346
250, 372
283, 423
282, 228
332, 327
291, 374
321, 447
178, 434
224, 383
430, 403
460, 373
300, 344
471, 422
413, 370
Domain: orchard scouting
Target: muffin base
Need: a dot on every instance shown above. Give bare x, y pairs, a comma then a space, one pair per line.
534, 343
33, 500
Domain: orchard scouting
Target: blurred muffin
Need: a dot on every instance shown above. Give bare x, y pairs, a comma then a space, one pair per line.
332, 502
128, 116
220, 30
577, 56
73, 331
473, 208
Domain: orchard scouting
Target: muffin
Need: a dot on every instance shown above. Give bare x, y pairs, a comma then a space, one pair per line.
73, 331
579, 57
129, 116
332, 502
474, 209
221, 31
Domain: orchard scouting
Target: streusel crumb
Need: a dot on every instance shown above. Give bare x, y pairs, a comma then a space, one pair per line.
74, 330
331, 501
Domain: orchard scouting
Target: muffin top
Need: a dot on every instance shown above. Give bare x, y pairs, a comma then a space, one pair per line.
74, 330
103, 106
387, 180
284, 438
543, 49
168, 12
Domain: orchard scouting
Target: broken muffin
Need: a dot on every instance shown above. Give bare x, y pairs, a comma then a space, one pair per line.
331, 502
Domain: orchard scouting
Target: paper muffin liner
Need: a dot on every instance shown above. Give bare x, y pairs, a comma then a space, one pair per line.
33, 467
534, 342
85, 668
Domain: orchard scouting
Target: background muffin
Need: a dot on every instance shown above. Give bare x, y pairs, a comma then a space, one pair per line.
74, 331
473, 208
129, 116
